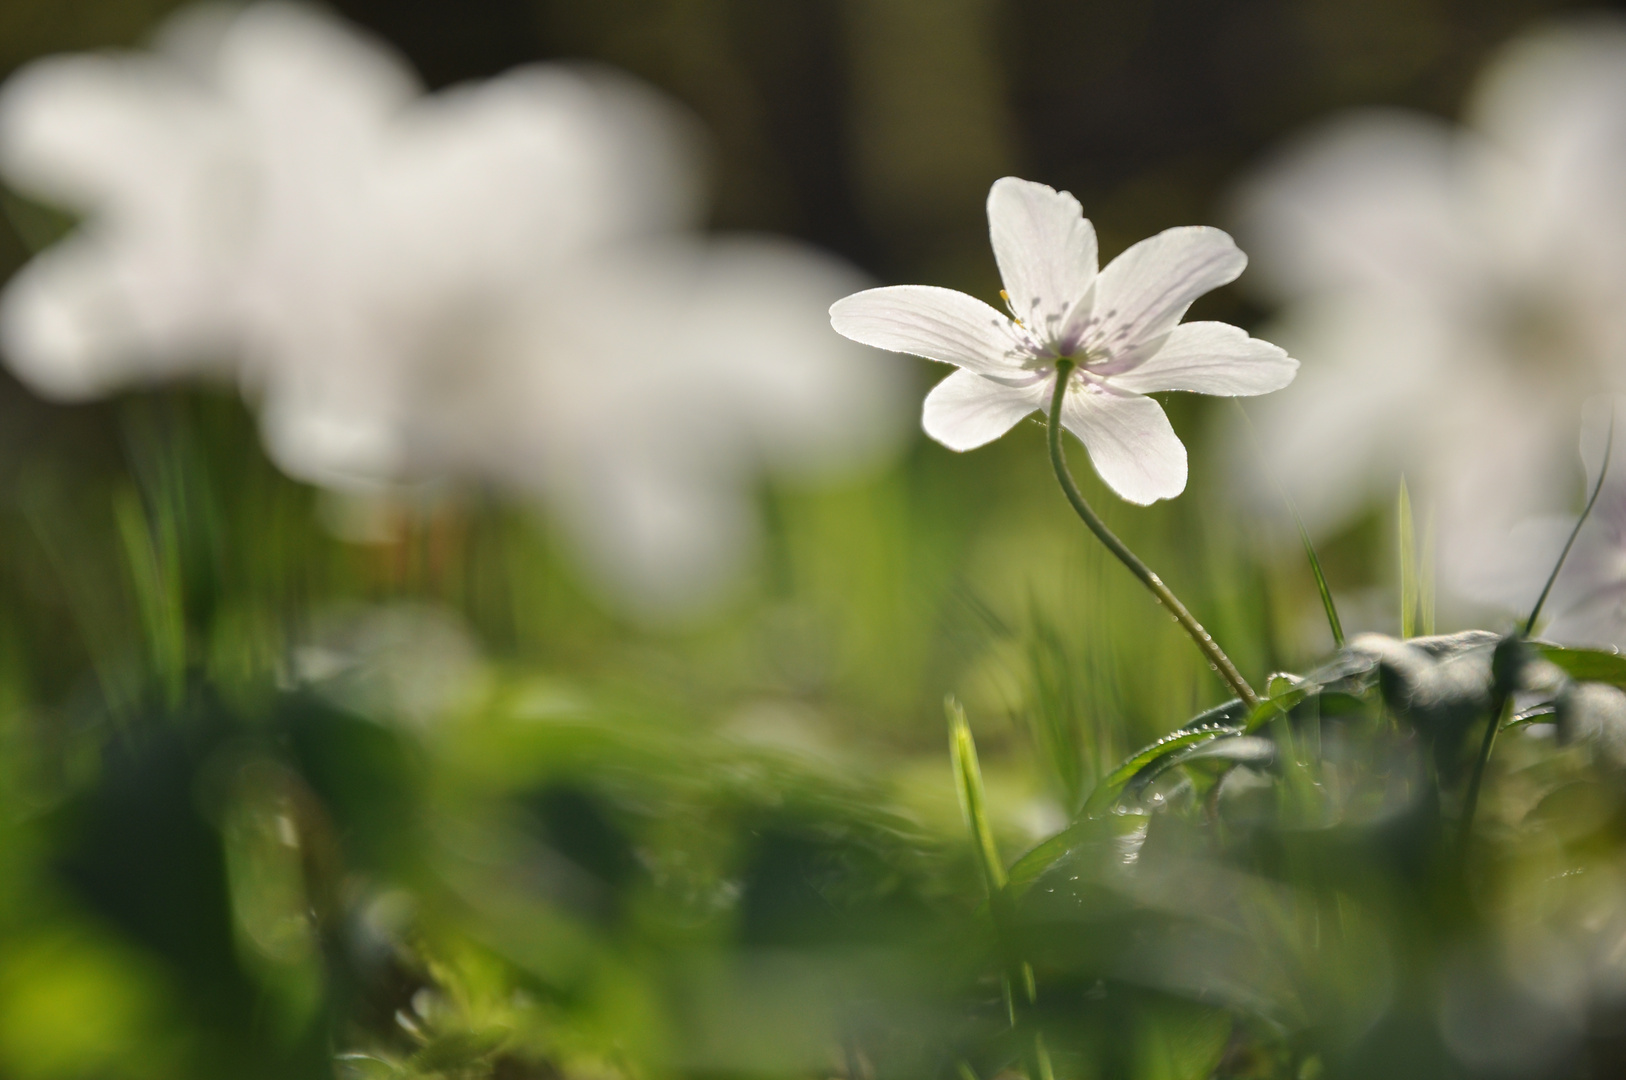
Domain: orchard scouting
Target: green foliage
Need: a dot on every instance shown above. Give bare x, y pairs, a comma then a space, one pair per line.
280, 804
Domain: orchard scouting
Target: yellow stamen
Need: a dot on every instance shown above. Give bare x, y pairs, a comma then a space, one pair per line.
1005, 296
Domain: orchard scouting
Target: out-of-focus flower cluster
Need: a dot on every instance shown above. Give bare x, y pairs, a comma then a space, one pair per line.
1455, 294
498, 282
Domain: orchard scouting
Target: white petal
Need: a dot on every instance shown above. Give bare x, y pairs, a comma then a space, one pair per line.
939, 324
1145, 291
109, 133
1131, 443
493, 180
1211, 358
1045, 248
966, 411
281, 61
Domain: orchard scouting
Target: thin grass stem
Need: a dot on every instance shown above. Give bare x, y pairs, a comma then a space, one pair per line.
1470, 802
1499, 713
1592, 500
1334, 623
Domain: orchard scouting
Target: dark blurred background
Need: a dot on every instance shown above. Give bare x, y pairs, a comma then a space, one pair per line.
874, 127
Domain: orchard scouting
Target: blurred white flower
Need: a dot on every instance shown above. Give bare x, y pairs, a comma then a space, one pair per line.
644, 394
1119, 326
1587, 605
1455, 293
492, 281
267, 195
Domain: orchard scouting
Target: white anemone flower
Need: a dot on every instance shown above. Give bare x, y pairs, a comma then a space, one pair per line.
1120, 327
1454, 292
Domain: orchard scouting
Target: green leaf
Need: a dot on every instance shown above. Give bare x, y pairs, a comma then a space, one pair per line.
1279, 703
1113, 784
1587, 665
1237, 749
1109, 829
1229, 714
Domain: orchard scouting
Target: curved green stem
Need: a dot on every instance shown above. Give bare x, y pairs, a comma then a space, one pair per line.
1470, 803
1503, 703
1058, 460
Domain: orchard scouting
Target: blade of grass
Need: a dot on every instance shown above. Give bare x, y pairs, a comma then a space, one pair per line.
973, 801
974, 806
1592, 500
1425, 577
1327, 605
154, 567
1408, 565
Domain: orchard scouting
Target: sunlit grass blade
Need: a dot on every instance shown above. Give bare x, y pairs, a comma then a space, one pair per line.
154, 565
974, 807
973, 801
1333, 621
1408, 565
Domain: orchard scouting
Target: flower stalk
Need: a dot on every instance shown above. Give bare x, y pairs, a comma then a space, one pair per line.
1205, 642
